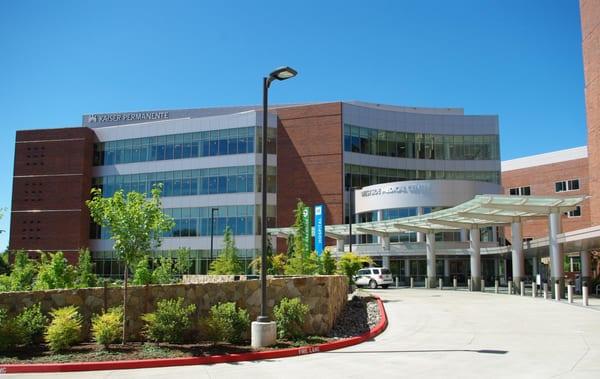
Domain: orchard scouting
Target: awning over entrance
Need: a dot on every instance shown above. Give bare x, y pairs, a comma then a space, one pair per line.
481, 211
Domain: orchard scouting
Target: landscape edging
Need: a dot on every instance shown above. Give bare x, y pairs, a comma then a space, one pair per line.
187, 361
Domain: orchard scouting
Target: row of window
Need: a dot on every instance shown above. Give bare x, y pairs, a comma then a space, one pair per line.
561, 186
186, 145
196, 222
420, 146
361, 176
192, 182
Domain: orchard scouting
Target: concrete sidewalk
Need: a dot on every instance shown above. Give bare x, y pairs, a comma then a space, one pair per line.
436, 334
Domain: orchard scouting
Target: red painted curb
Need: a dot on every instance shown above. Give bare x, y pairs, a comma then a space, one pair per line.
186, 361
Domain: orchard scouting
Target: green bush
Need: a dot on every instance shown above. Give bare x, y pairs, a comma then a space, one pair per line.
169, 322
54, 272
11, 334
228, 323
23, 272
85, 276
142, 274
107, 328
64, 330
32, 323
289, 315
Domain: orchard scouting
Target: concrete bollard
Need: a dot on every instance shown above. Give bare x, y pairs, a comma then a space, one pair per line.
570, 293
412, 282
557, 291
396, 281
454, 283
441, 281
584, 293
496, 286
533, 289
522, 285
469, 285
545, 289
482, 285
510, 287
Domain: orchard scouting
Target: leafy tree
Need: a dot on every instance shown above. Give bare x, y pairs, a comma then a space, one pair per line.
227, 263
290, 245
326, 263
350, 263
23, 273
4, 265
85, 270
165, 271
301, 262
136, 224
54, 272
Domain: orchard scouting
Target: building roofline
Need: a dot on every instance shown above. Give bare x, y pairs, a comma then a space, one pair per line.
545, 158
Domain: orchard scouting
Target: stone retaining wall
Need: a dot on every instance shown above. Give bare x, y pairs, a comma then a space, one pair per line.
325, 295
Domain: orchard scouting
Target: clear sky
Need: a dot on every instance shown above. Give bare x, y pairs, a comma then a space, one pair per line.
518, 59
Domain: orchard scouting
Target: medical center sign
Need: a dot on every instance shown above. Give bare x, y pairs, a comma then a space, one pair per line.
414, 189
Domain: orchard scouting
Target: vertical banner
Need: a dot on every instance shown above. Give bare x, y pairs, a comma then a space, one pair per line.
319, 228
306, 224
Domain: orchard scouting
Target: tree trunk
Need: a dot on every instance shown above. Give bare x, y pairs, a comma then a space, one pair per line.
125, 306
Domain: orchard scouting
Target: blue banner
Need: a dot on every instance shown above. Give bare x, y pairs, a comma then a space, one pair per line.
319, 228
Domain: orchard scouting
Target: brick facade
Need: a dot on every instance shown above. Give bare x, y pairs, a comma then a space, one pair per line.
52, 179
590, 32
310, 161
541, 180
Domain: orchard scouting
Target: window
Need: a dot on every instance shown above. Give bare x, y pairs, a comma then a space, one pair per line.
520, 191
567, 185
574, 213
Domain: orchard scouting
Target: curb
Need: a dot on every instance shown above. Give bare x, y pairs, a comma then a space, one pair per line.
187, 361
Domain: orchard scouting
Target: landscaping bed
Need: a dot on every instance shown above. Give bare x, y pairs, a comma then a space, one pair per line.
359, 316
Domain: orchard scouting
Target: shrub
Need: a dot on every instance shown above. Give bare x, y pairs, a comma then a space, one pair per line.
64, 330
350, 263
142, 274
289, 315
327, 263
32, 323
228, 262
228, 323
107, 328
169, 322
23, 272
10, 333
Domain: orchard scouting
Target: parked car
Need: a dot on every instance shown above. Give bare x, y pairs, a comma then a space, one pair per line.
374, 277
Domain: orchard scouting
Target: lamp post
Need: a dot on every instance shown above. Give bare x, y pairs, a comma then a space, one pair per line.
212, 234
281, 73
350, 213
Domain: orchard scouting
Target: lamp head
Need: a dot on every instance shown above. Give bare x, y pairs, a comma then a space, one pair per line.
282, 73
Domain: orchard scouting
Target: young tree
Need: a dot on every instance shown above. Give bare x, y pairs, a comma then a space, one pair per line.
227, 263
85, 271
23, 273
136, 224
301, 262
326, 263
350, 263
255, 265
54, 272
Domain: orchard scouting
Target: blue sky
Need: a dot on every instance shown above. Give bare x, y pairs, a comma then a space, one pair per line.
518, 59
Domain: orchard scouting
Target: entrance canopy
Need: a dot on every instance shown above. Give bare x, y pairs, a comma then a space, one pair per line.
481, 211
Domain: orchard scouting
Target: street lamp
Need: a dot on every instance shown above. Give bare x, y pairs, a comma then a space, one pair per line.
281, 73
212, 233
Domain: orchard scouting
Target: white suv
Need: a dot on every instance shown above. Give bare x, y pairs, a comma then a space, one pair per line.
374, 277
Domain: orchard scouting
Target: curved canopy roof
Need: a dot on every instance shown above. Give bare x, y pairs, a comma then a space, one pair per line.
481, 211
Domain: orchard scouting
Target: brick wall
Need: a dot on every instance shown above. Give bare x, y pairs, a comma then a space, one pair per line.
590, 19
52, 180
542, 181
309, 161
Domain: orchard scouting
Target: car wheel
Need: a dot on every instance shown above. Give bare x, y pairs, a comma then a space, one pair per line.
384, 286
372, 284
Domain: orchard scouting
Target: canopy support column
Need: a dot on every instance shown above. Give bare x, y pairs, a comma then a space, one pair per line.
420, 235
586, 268
518, 259
556, 256
339, 246
475, 252
430, 249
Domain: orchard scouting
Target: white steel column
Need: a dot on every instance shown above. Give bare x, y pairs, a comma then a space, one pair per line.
339, 246
447, 270
420, 236
494, 234
556, 256
385, 261
430, 249
385, 258
475, 252
586, 268
518, 260
407, 268
464, 235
